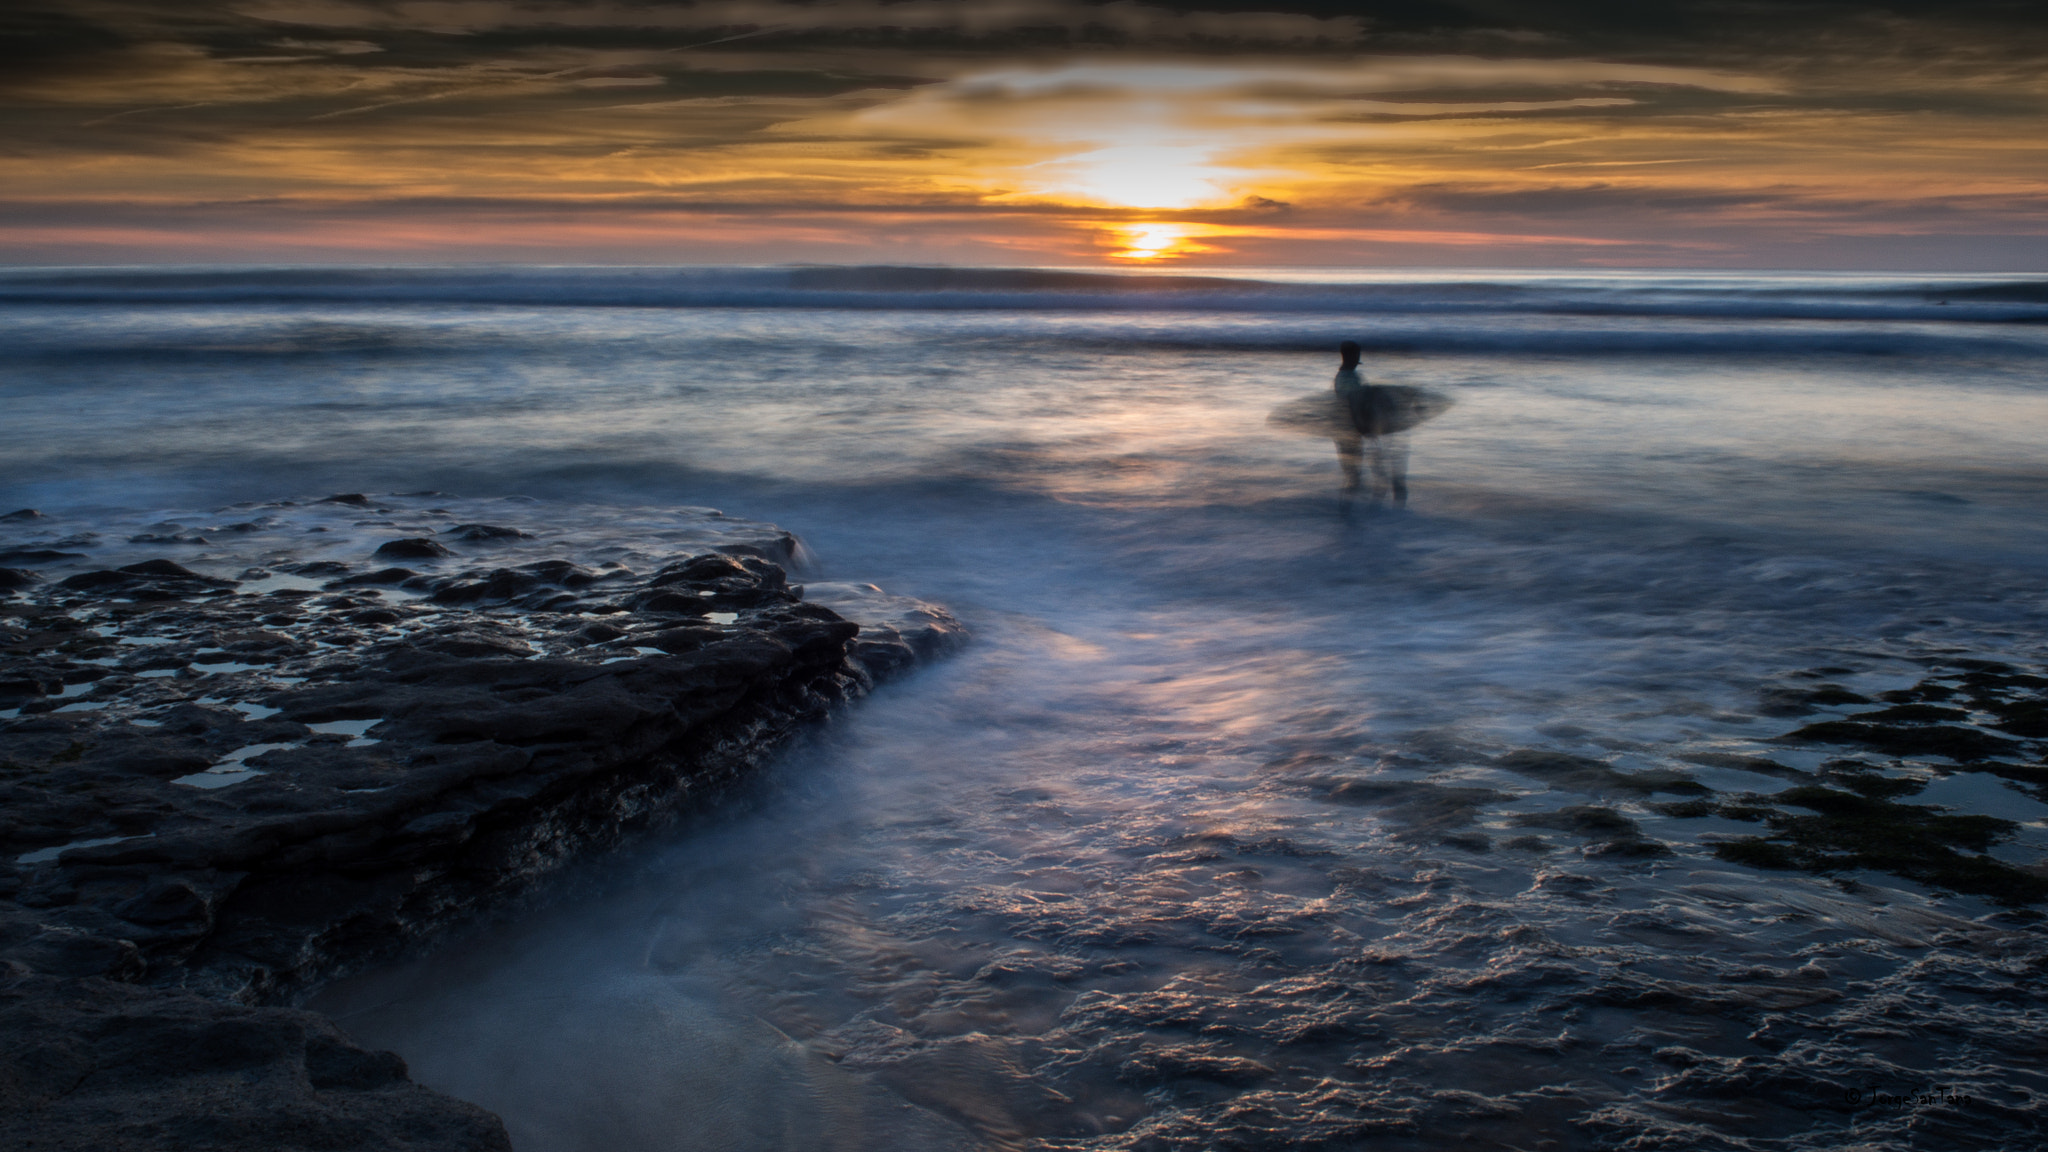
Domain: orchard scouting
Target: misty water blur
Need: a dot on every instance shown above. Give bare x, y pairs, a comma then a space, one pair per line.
1085, 885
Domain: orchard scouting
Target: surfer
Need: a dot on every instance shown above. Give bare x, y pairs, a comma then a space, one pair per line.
1372, 432
1368, 424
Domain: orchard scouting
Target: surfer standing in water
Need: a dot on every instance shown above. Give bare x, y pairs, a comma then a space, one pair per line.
1368, 423
1373, 428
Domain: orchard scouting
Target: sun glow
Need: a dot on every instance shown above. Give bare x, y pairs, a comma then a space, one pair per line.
1147, 242
1141, 176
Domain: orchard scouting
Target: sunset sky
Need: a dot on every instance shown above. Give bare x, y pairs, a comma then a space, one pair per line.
1598, 133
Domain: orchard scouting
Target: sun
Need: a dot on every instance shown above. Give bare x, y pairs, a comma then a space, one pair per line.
1143, 243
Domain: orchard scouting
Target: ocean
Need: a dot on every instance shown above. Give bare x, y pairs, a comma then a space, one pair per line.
1254, 816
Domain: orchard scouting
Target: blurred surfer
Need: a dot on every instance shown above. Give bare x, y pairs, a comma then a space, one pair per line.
1368, 424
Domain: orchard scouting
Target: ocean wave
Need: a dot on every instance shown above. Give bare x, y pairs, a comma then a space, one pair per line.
245, 342
1733, 341
1989, 299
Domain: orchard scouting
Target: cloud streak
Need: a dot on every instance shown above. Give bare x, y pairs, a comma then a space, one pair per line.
1023, 130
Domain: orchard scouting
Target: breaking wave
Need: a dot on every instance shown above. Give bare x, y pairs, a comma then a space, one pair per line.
1704, 295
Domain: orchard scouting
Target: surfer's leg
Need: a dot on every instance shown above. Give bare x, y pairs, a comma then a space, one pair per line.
1396, 449
1351, 458
1380, 479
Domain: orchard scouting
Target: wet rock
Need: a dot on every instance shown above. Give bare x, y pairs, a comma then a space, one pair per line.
480, 532
553, 580
1431, 813
1782, 700
383, 576
1909, 739
1165, 1065
95, 1064
36, 556
1585, 774
62, 951
168, 901
15, 579
897, 632
352, 499
364, 774
1851, 816
149, 580
469, 714
1611, 833
1755, 764
1627, 990
411, 548
1843, 830
22, 515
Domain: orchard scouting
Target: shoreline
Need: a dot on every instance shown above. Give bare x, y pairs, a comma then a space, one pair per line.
225, 791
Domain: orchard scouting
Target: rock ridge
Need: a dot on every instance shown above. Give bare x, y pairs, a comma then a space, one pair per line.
217, 792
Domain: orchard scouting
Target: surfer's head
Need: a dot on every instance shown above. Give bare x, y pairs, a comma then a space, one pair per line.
1349, 350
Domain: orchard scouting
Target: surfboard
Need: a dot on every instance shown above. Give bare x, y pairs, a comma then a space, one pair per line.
1329, 414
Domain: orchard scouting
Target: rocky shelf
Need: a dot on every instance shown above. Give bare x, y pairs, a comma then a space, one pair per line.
398, 714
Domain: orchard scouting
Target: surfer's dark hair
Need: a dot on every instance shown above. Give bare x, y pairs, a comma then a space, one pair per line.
1348, 350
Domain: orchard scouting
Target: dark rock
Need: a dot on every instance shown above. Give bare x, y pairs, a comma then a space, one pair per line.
501, 584
671, 603
411, 548
30, 682
1429, 812
500, 746
14, 579
316, 568
472, 644
564, 574
675, 641
72, 952
149, 580
37, 556
1797, 701
21, 514
352, 499
383, 576
781, 551
1847, 830
1745, 764
896, 631
1627, 847
1585, 774
718, 582
165, 568
1963, 745
1611, 833
92, 1065
1164, 1065
475, 532
168, 901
